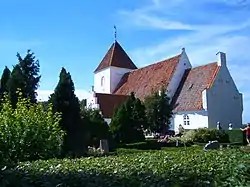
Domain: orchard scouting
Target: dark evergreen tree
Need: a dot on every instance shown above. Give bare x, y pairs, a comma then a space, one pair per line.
65, 101
158, 112
97, 126
25, 78
30, 71
15, 83
129, 121
4, 80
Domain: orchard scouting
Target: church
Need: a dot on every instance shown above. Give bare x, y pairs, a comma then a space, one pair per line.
201, 96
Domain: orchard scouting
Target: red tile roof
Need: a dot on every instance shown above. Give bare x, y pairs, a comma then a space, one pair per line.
145, 80
117, 57
188, 96
108, 103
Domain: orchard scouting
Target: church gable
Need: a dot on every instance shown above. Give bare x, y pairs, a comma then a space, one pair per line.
147, 79
188, 96
116, 57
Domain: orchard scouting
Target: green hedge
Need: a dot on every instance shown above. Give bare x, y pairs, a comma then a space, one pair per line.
190, 167
203, 135
237, 136
151, 144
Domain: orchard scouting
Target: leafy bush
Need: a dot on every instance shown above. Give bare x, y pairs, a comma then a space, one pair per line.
178, 167
237, 136
28, 132
203, 135
151, 144
129, 121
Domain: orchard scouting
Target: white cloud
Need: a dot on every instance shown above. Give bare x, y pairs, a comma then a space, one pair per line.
212, 31
43, 95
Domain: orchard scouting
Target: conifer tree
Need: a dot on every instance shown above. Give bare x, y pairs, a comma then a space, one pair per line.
30, 71
97, 126
129, 121
158, 111
65, 101
25, 78
15, 83
4, 80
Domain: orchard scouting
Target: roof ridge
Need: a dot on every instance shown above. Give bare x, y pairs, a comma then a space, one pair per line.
116, 56
112, 54
157, 62
210, 63
214, 76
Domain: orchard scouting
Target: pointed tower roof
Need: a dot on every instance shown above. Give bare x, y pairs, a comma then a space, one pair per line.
116, 57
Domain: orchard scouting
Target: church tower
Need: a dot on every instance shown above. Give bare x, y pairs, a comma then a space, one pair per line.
113, 66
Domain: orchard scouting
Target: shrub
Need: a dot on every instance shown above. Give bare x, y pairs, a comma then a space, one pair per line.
28, 132
190, 167
237, 136
151, 144
203, 135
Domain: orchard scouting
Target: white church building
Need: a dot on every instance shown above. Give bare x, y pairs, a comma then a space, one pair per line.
201, 96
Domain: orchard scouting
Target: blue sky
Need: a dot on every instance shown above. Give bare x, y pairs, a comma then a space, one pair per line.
76, 35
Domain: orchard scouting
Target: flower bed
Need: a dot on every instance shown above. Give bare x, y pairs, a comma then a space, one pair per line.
176, 166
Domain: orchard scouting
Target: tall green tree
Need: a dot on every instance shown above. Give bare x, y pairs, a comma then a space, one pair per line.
158, 111
129, 121
30, 68
25, 77
15, 83
97, 126
4, 80
65, 101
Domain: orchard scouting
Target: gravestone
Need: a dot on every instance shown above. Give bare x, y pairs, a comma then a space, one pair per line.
104, 146
218, 126
212, 145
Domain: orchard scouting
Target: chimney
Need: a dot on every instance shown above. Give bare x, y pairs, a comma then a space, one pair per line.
221, 59
93, 91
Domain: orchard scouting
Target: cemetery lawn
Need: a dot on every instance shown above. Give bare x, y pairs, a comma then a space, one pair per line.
169, 167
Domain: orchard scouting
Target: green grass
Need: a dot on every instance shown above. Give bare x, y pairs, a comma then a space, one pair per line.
134, 168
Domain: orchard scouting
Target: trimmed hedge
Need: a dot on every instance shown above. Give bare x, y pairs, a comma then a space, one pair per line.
237, 136
179, 167
203, 135
150, 144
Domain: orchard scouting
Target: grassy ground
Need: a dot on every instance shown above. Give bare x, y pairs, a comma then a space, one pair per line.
169, 167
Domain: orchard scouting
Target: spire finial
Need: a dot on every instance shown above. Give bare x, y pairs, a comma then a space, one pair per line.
115, 33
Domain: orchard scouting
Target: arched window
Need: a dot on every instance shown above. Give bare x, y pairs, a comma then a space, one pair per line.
186, 120
102, 81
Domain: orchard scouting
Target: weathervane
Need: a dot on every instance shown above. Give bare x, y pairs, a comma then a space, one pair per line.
115, 32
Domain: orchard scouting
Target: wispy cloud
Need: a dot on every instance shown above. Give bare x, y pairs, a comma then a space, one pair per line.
43, 95
215, 25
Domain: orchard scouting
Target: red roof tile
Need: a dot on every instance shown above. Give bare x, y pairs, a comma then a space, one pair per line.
117, 57
108, 103
188, 96
145, 80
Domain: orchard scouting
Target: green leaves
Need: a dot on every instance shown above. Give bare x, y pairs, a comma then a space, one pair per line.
158, 111
172, 167
24, 76
129, 121
65, 101
28, 132
203, 135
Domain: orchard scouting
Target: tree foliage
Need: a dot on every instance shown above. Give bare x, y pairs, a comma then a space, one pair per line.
158, 111
24, 76
4, 80
129, 121
28, 132
65, 101
97, 126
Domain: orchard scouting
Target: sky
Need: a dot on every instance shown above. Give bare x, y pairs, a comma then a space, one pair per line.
76, 35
